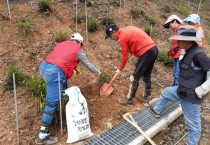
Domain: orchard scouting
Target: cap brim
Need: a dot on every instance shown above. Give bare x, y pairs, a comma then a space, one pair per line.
187, 20
184, 38
166, 25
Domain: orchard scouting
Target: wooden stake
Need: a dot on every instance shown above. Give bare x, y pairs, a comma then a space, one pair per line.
130, 119
76, 14
59, 90
9, 10
131, 20
16, 108
199, 6
86, 20
150, 31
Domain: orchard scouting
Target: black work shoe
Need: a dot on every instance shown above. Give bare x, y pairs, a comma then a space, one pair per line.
124, 101
130, 102
152, 111
145, 101
47, 140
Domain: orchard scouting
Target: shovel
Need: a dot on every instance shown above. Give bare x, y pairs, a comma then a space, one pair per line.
107, 89
130, 119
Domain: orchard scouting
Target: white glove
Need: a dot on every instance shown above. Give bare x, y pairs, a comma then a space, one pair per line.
131, 78
200, 91
99, 72
74, 71
117, 71
204, 88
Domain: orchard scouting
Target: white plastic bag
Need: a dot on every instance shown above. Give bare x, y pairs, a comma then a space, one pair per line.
77, 116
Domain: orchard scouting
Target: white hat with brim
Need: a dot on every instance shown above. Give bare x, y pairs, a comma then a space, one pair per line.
170, 19
185, 33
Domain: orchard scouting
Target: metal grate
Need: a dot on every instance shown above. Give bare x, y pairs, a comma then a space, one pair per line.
124, 132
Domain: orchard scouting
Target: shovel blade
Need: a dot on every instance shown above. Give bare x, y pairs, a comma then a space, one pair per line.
106, 89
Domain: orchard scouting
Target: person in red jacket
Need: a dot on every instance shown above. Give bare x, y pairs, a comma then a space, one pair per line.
136, 42
57, 68
174, 22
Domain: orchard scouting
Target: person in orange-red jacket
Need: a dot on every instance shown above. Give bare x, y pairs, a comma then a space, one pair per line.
136, 42
174, 22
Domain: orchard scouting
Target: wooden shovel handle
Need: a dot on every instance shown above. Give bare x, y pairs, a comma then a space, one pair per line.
133, 122
115, 75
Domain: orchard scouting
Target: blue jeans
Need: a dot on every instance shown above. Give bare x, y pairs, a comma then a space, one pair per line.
49, 73
176, 72
191, 113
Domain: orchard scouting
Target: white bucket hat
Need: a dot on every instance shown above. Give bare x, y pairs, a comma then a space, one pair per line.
78, 37
170, 19
185, 33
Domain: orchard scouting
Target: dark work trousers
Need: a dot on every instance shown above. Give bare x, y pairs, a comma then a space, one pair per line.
144, 68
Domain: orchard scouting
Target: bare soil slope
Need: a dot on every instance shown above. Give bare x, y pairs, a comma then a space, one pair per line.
30, 51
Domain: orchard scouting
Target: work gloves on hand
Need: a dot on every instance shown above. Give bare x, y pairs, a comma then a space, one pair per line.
200, 91
203, 89
99, 72
77, 72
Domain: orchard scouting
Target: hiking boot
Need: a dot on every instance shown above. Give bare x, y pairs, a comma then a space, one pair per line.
47, 140
145, 101
125, 101
152, 111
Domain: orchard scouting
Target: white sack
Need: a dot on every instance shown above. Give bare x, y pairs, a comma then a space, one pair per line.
77, 116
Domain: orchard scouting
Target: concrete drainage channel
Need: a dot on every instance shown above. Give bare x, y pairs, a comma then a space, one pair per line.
125, 134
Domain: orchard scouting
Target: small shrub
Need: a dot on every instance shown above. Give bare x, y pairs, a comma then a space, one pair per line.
182, 10
37, 87
114, 2
44, 6
147, 29
20, 77
118, 56
64, 101
1, 28
27, 26
108, 19
93, 24
151, 20
61, 36
185, 12
80, 17
168, 8
104, 78
88, 2
164, 58
136, 12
